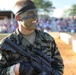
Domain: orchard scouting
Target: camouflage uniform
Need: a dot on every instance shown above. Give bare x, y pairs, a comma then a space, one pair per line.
43, 42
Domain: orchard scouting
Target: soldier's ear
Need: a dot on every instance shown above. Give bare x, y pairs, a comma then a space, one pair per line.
17, 17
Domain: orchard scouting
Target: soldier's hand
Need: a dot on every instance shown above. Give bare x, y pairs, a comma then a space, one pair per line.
17, 66
25, 68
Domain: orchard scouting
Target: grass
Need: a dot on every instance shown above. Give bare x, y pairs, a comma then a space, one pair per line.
4, 34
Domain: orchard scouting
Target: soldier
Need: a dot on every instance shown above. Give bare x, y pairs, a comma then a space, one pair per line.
26, 36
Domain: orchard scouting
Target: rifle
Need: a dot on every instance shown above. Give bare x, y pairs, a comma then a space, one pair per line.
41, 62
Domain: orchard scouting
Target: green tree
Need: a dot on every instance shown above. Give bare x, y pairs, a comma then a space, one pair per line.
42, 4
66, 13
73, 10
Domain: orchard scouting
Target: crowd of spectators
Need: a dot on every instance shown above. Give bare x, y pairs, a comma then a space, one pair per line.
58, 24
8, 25
45, 24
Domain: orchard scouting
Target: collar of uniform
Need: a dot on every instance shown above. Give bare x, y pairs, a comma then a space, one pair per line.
18, 36
18, 33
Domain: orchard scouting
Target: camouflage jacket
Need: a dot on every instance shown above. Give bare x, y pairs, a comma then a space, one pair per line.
43, 42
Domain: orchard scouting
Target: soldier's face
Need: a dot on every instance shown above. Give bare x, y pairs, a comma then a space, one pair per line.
29, 19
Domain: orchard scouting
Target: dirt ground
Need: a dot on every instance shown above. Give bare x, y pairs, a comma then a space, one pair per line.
69, 57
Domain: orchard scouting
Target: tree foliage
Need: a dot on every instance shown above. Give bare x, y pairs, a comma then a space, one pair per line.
65, 13
73, 10
46, 5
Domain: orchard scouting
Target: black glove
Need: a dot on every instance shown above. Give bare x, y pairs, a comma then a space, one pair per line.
26, 68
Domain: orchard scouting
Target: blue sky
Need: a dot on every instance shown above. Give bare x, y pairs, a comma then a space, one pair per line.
59, 4
63, 3
8, 4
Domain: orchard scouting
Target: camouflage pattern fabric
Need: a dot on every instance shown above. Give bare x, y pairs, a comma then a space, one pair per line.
43, 42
